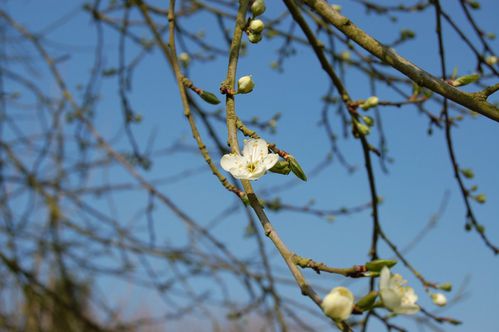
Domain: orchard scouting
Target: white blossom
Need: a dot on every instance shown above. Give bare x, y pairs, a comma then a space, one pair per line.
253, 164
338, 304
396, 296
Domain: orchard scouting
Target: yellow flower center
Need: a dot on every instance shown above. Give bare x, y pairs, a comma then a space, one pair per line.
251, 167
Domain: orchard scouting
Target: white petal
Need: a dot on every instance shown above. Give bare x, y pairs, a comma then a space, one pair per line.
407, 309
270, 160
255, 149
391, 299
384, 280
231, 161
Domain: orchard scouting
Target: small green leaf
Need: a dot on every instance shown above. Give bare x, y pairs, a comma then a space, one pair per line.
467, 173
465, 80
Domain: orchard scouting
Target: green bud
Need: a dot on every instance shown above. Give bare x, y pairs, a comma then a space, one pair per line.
256, 26
369, 121
407, 34
345, 55
378, 264
474, 188
369, 103
254, 37
491, 35
446, 286
281, 167
185, 59
362, 129
481, 198
480, 228
474, 4
467, 173
467, 227
465, 80
209, 97
366, 303
296, 168
258, 7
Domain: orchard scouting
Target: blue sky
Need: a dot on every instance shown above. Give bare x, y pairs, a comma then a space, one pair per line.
412, 190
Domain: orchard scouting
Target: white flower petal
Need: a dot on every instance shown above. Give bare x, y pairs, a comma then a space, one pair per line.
384, 279
270, 160
391, 299
231, 161
255, 149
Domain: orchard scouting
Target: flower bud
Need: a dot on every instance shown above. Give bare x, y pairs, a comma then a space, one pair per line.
361, 129
491, 60
338, 304
256, 26
245, 84
185, 59
254, 37
439, 299
258, 7
345, 55
369, 102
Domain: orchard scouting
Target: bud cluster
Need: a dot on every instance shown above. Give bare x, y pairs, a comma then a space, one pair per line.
256, 26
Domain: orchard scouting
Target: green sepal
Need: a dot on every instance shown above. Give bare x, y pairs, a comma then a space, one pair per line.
296, 168
281, 167
367, 302
378, 264
209, 97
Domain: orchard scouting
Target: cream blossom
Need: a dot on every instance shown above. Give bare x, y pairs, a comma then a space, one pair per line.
396, 297
338, 304
253, 164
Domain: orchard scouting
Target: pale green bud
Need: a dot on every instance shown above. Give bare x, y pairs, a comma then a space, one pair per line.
369, 121
369, 103
245, 84
407, 34
362, 129
256, 26
254, 37
258, 7
378, 264
465, 80
474, 4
